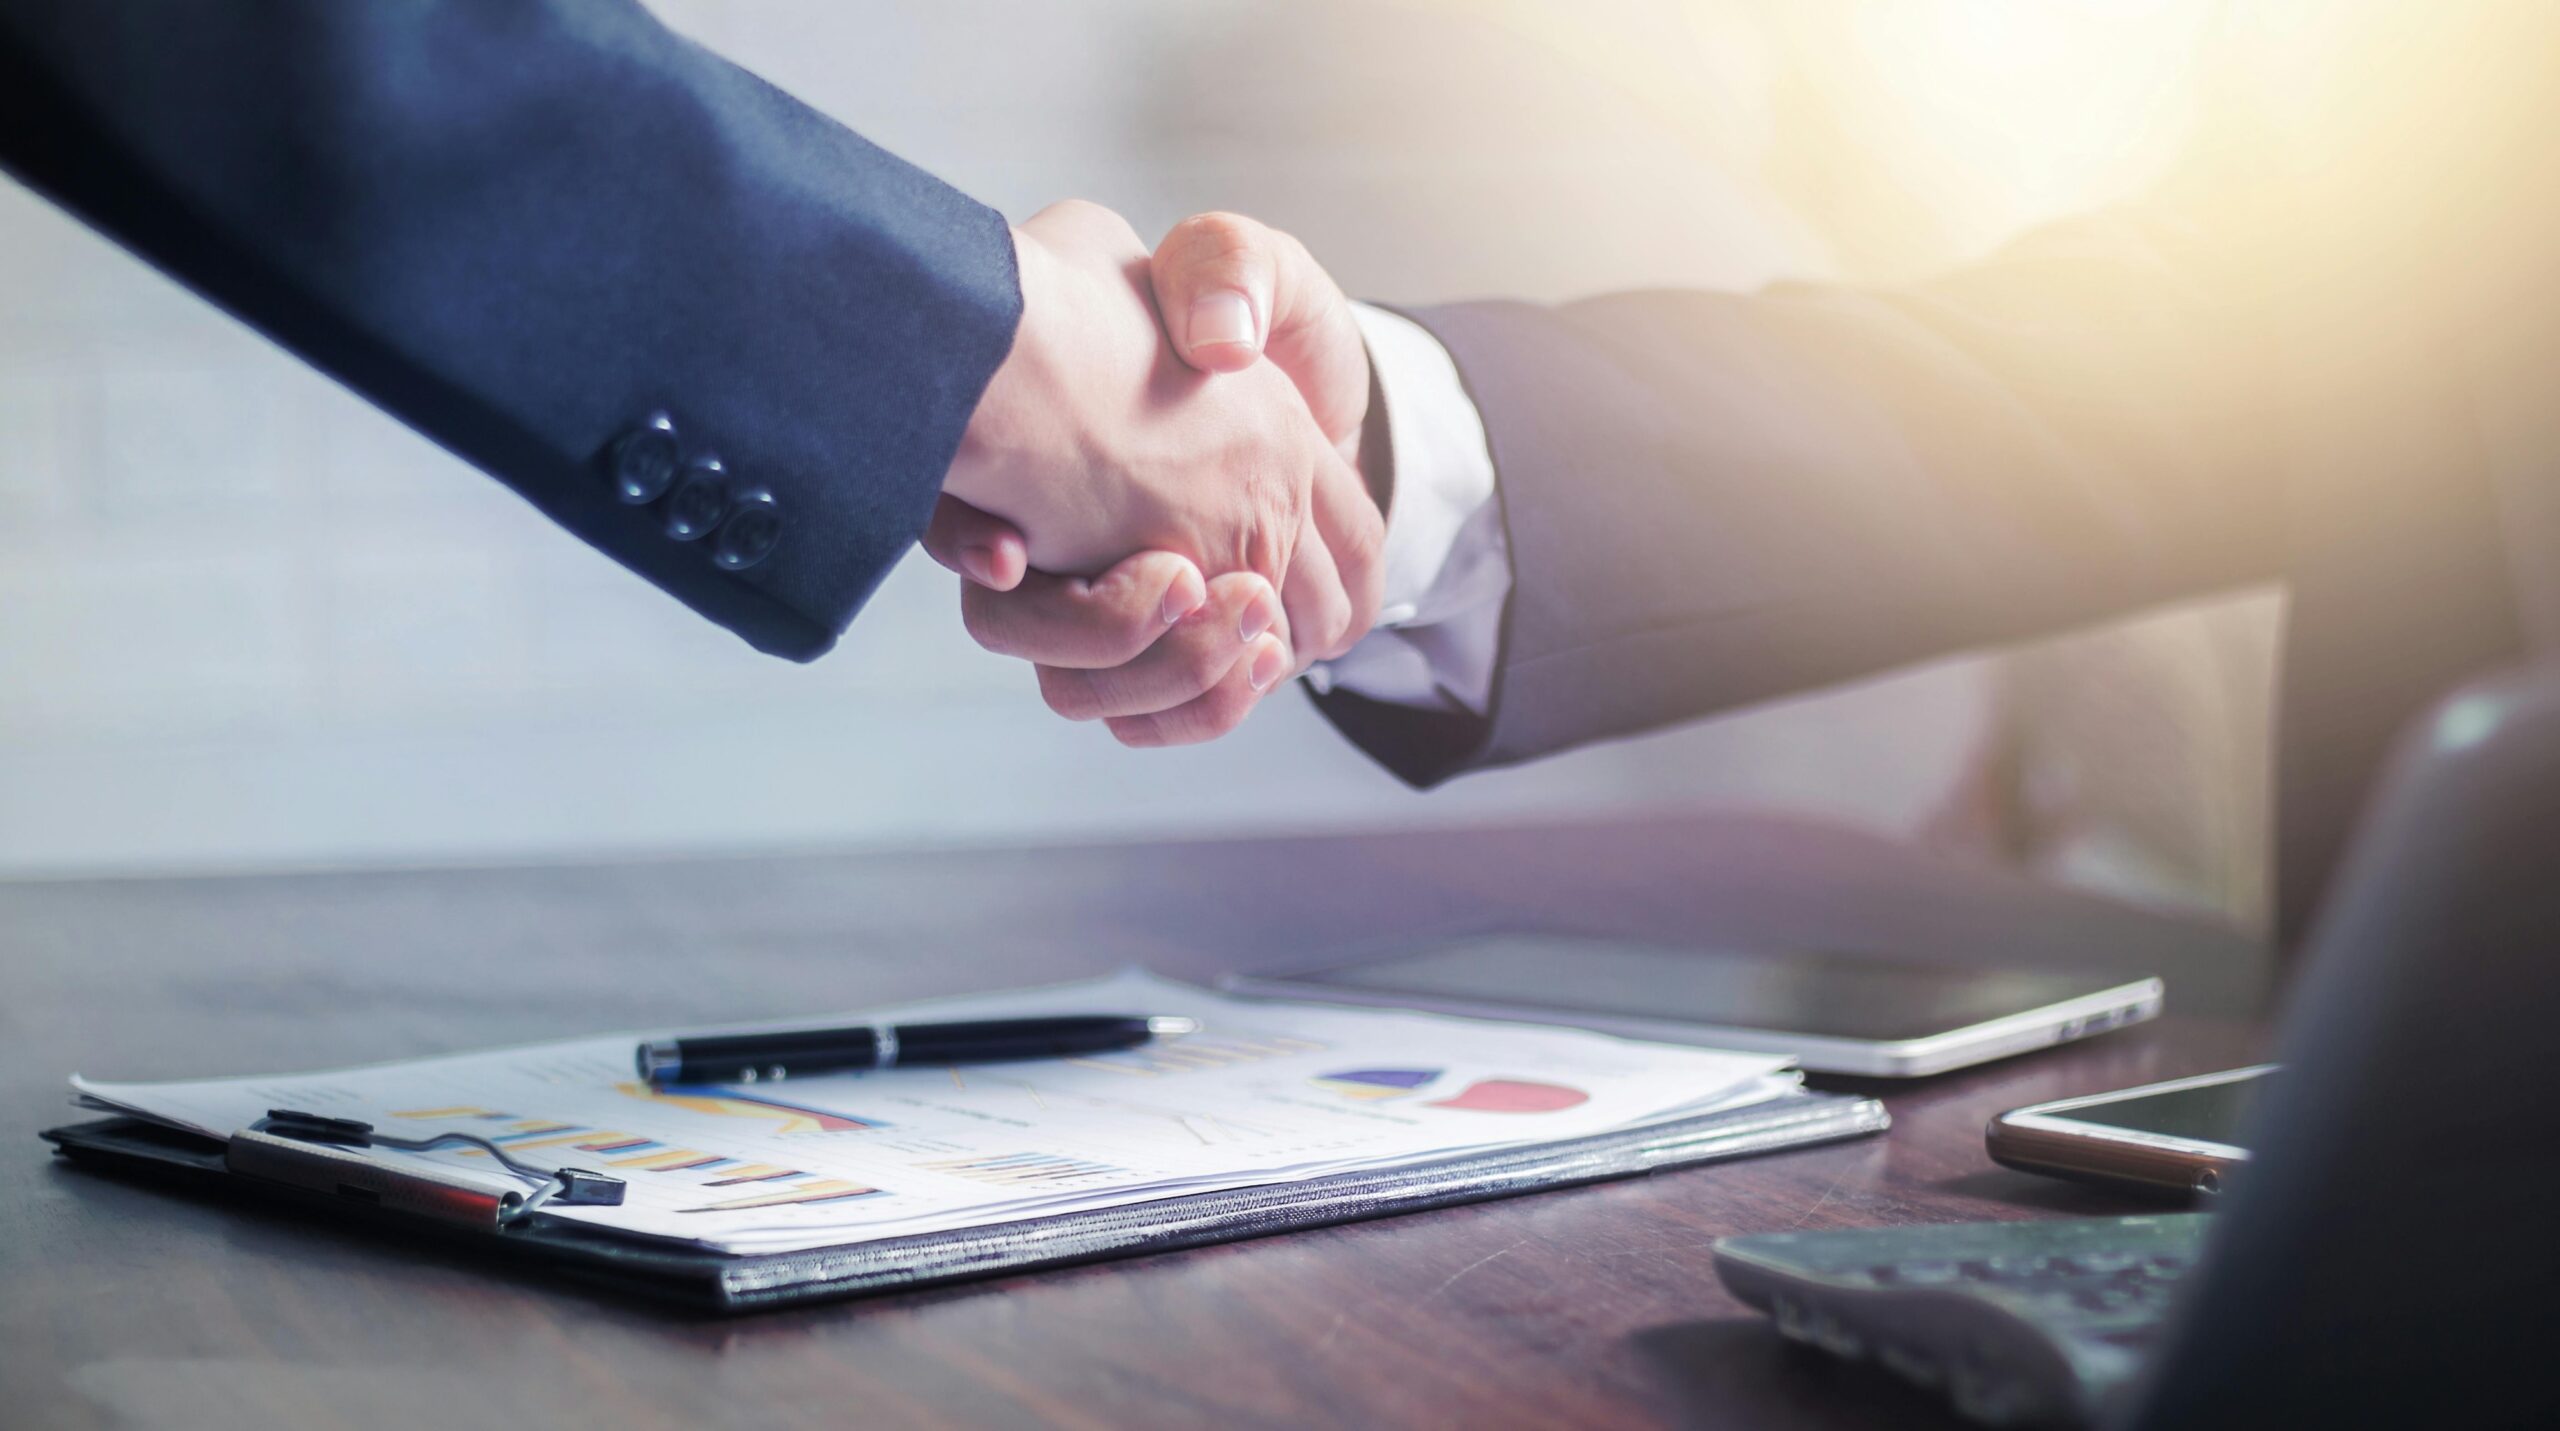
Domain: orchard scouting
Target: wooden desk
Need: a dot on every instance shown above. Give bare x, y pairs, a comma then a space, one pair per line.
125, 1306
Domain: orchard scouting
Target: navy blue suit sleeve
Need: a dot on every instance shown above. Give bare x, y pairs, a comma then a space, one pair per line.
522, 227
1715, 499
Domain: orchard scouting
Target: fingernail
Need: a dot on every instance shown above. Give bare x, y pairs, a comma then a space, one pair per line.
979, 565
1221, 318
1187, 594
1269, 665
1258, 617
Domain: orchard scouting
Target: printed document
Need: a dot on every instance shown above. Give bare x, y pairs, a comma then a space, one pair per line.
1262, 1092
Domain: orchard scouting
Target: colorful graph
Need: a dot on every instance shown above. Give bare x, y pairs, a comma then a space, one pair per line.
752, 1173
675, 1160
823, 1190
1194, 1052
1371, 1084
1513, 1095
649, 1155
1485, 1095
1011, 1169
535, 1132
728, 1103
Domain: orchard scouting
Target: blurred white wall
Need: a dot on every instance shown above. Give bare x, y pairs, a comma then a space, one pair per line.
246, 621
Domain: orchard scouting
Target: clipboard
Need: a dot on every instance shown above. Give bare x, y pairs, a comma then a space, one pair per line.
316, 1179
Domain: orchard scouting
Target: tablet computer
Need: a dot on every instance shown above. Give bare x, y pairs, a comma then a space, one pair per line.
1835, 1011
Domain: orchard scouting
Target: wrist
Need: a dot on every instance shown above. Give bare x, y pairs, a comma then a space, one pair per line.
1376, 457
992, 467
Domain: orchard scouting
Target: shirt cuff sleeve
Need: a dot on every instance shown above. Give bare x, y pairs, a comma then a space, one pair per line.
1448, 565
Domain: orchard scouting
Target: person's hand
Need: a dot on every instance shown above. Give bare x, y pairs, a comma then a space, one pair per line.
1093, 440
1113, 647
1234, 291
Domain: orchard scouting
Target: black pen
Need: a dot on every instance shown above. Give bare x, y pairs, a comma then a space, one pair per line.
765, 1057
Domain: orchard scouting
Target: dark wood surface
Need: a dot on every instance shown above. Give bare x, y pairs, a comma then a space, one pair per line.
122, 1305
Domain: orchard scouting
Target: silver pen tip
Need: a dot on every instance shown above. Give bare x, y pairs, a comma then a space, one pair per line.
656, 1056
1171, 1025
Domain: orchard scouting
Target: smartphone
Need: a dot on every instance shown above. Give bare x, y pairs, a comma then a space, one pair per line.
1833, 1011
2182, 1136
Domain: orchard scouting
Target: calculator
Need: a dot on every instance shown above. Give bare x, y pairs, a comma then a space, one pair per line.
2017, 1323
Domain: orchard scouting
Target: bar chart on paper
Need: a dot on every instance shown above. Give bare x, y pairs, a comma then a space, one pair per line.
1018, 1169
1372, 1084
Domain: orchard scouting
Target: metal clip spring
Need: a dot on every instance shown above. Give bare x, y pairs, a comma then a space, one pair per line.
570, 1187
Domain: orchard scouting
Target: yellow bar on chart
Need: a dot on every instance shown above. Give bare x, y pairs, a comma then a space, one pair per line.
672, 1159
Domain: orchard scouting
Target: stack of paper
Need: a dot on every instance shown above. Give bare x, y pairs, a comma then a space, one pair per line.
1264, 1092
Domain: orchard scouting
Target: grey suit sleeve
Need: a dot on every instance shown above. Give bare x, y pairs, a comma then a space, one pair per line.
1716, 499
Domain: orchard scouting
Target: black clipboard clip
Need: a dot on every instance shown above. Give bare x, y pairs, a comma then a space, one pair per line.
323, 1154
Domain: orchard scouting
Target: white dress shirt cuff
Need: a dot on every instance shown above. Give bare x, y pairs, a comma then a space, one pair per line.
1448, 564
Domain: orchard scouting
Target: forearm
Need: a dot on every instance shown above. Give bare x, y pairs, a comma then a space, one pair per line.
522, 228
1711, 500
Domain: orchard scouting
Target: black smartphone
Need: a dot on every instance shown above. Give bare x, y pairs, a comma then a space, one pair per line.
2183, 1136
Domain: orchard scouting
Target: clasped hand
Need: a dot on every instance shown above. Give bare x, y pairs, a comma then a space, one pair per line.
1161, 522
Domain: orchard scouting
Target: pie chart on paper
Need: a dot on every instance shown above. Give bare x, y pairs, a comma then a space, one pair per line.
1513, 1095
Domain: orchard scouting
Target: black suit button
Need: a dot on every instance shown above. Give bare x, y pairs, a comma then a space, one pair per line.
699, 501
748, 537
644, 461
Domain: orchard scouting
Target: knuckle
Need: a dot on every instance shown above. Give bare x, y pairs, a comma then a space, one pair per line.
1122, 638
1217, 232
1356, 604
1318, 611
1201, 659
1097, 219
982, 618
1336, 639
1268, 550
1288, 503
1338, 630
1223, 709
1114, 615
1363, 613
1361, 543
1069, 693
1356, 629
1137, 732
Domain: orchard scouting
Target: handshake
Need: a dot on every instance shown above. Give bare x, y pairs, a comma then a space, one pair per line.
1161, 522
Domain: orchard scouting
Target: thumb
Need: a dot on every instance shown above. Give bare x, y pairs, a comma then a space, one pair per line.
1214, 278
985, 549
1232, 290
